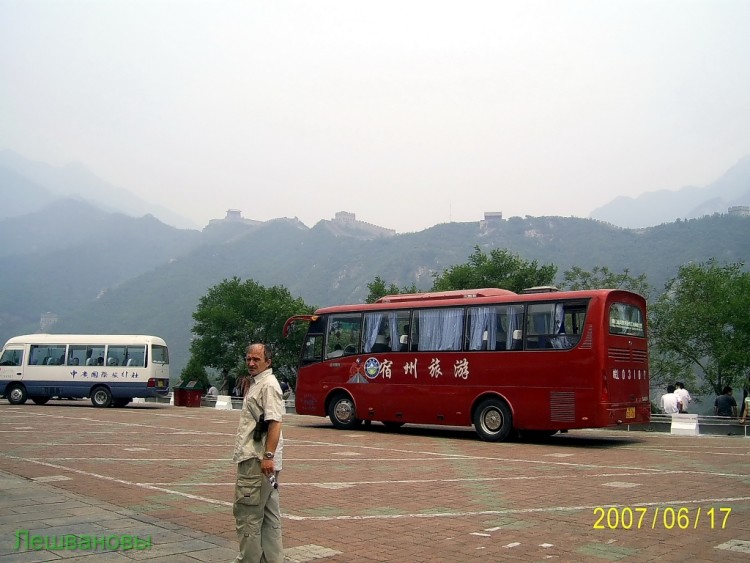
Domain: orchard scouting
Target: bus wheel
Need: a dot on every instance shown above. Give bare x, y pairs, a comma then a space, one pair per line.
492, 420
342, 413
101, 397
40, 400
16, 394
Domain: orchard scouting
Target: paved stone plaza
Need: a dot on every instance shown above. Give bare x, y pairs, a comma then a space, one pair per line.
418, 494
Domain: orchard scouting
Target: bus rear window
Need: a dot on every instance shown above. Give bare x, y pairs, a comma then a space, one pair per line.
626, 320
159, 354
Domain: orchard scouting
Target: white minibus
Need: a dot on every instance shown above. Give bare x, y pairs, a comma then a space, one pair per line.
110, 369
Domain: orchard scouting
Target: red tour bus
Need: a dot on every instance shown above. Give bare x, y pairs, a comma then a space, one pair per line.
537, 362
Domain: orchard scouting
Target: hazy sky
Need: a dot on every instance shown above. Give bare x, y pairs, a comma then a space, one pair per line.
407, 113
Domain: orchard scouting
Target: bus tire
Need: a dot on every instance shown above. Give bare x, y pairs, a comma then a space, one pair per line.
342, 412
40, 400
101, 397
16, 394
493, 420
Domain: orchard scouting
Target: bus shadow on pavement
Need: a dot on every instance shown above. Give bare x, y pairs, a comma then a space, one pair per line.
567, 440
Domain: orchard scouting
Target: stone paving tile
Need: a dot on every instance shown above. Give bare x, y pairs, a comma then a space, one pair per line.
419, 494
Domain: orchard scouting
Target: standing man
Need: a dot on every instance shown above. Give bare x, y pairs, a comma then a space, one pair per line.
669, 402
257, 452
683, 396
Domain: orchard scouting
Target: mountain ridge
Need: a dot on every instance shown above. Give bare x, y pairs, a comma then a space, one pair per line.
690, 202
99, 271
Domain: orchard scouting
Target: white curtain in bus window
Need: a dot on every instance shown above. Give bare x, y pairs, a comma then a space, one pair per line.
440, 329
371, 330
381, 331
540, 325
482, 328
513, 330
560, 341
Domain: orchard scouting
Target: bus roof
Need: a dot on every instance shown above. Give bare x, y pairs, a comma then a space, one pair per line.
439, 295
132, 339
485, 296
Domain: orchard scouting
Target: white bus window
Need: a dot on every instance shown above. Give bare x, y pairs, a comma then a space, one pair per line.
159, 354
135, 356
77, 355
115, 355
47, 355
11, 357
95, 356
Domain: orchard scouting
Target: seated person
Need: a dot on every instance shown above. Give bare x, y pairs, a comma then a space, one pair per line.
380, 345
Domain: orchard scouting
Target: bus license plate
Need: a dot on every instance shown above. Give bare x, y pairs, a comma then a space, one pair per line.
630, 412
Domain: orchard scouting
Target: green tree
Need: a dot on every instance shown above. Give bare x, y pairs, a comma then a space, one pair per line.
501, 269
233, 314
702, 321
601, 277
194, 371
379, 289
663, 369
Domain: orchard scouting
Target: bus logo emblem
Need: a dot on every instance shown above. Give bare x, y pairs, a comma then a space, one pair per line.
372, 368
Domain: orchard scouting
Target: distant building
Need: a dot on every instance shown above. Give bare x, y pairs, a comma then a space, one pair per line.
345, 217
345, 223
47, 320
234, 216
491, 218
740, 210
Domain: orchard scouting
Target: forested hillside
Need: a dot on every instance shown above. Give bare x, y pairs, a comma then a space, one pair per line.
116, 274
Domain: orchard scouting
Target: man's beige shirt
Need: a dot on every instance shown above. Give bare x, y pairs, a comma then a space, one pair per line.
263, 397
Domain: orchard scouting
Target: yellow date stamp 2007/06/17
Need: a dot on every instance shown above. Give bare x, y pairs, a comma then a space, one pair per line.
655, 517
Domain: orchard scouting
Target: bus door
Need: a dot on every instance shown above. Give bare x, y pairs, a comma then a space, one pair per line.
342, 345
159, 362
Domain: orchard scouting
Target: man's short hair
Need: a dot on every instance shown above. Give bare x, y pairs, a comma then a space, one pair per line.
267, 351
